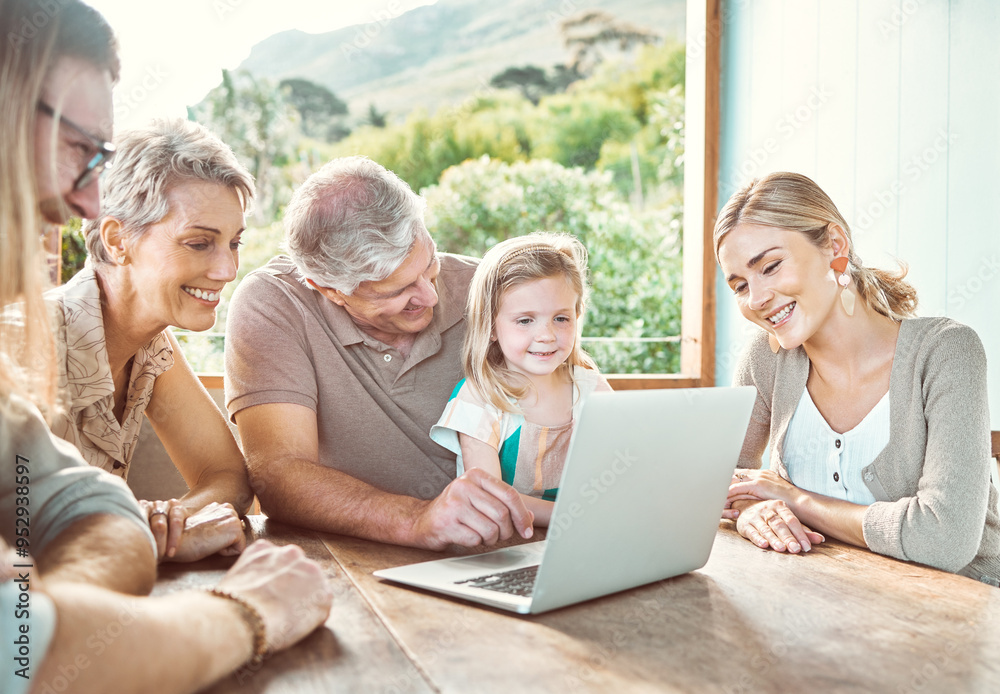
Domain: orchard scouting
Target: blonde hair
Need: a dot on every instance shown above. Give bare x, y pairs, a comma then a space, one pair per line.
507, 265
794, 202
150, 161
36, 35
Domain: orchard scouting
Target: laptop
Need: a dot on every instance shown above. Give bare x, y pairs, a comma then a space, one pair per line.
640, 500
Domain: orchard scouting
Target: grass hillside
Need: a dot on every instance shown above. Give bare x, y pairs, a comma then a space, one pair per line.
443, 53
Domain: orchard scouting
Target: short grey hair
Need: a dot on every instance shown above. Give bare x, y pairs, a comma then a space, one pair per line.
152, 160
352, 221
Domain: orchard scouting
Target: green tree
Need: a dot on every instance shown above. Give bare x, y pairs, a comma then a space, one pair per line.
423, 146
254, 118
529, 80
376, 118
590, 34
320, 111
571, 128
74, 249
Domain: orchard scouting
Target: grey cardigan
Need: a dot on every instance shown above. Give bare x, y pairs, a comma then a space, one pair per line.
934, 500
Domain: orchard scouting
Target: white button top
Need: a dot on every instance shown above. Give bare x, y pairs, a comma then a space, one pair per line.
387, 357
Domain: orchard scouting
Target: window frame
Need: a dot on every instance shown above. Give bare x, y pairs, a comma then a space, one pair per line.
701, 199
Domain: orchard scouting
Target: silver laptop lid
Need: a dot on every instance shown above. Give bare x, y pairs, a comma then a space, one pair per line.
643, 490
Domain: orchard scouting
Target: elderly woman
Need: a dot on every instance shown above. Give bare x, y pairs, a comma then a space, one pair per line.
877, 420
166, 243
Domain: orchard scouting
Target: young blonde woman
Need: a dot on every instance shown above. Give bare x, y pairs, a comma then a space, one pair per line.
877, 420
526, 376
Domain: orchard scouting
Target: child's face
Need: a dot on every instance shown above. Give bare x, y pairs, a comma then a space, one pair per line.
535, 326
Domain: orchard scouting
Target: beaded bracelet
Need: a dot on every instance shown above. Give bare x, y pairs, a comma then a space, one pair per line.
253, 620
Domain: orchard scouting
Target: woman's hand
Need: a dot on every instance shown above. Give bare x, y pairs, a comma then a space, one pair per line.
758, 485
216, 528
288, 589
772, 524
166, 521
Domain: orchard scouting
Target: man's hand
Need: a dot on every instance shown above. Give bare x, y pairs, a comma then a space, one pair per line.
287, 589
474, 509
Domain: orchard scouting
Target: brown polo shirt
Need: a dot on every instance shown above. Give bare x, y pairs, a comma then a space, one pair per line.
287, 343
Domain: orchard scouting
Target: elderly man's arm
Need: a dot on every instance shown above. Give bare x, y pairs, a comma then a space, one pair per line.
281, 442
81, 524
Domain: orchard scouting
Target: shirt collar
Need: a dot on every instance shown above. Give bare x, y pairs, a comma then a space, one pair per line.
84, 352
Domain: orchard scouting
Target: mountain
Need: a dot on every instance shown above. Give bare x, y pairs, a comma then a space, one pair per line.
443, 53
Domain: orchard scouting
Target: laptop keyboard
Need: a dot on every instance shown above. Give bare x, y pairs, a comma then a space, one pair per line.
514, 582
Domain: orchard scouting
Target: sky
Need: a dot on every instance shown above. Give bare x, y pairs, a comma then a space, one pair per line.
174, 53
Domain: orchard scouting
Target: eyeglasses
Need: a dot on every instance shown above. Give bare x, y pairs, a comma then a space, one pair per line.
101, 159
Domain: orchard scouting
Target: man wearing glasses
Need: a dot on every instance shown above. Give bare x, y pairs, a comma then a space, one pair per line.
73, 539
78, 95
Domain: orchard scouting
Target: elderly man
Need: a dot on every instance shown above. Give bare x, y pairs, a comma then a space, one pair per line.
340, 358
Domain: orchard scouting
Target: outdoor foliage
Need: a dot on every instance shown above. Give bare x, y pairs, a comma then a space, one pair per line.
596, 122
255, 118
74, 250
602, 160
320, 111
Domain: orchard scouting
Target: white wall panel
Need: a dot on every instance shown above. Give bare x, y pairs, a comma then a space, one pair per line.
923, 149
906, 138
836, 115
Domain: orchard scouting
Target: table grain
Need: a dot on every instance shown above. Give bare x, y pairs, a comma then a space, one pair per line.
837, 619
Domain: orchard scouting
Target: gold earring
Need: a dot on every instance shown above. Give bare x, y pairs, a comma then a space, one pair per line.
847, 298
772, 340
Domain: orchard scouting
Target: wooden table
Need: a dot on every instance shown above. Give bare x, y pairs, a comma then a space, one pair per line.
839, 619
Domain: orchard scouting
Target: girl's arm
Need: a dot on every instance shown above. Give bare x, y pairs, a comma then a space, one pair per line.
478, 454
199, 442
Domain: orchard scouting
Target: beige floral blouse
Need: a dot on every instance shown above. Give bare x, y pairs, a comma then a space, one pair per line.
86, 390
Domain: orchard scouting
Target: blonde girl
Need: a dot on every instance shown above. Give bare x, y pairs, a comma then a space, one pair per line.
526, 376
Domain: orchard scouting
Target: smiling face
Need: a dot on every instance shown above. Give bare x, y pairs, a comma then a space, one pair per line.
782, 281
178, 267
535, 326
82, 94
401, 304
